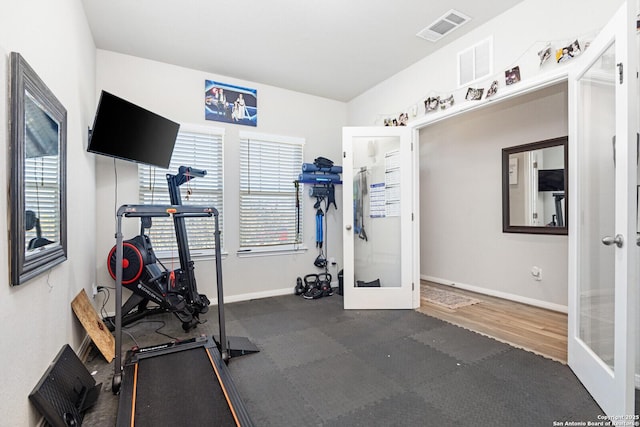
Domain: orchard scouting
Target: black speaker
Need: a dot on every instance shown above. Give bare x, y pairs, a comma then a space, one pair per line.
65, 390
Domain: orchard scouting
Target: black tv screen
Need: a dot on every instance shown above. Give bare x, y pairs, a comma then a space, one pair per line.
551, 180
124, 130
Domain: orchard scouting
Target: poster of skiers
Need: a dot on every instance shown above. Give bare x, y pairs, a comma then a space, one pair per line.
230, 104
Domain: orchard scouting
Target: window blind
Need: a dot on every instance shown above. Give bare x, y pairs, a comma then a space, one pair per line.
269, 165
42, 196
200, 148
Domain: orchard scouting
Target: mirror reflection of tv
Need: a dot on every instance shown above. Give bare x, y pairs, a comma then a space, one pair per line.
551, 180
126, 131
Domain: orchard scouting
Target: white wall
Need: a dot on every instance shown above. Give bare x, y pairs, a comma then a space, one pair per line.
36, 319
178, 93
461, 200
517, 34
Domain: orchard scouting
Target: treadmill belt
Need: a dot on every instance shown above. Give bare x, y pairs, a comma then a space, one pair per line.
180, 389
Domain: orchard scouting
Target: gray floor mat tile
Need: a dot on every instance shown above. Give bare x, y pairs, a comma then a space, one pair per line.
412, 322
246, 309
276, 401
404, 409
363, 331
278, 323
477, 400
370, 367
300, 347
460, 343
535, 373
340, 384
408, 362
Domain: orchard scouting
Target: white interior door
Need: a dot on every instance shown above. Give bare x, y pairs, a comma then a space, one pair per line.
602, 240
379, 247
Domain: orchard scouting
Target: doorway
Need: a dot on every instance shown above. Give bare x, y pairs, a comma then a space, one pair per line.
461, 239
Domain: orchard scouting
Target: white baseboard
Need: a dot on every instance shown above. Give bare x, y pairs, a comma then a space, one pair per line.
263, 294
256, 295
247, 297
504, 295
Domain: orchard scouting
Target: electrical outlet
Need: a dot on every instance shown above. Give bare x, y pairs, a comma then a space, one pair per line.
94, 290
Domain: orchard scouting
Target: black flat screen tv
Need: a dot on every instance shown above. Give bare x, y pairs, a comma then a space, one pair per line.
551, 180
126, 131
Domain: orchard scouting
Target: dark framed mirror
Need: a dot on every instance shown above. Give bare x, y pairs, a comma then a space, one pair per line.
535, 180
38, 132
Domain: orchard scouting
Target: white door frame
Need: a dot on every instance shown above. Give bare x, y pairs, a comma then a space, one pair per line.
628, 297
613, 389
407, 295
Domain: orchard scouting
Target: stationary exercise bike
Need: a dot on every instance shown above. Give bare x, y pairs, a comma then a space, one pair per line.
143, 274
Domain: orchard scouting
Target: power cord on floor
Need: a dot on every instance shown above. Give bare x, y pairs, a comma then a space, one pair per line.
157, 331
103, 311
106, 317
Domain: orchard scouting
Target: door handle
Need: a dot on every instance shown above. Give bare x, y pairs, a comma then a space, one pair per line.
608, 240
348, 227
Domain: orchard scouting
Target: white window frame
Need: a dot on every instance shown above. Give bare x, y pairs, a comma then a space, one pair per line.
160, 194
274, 249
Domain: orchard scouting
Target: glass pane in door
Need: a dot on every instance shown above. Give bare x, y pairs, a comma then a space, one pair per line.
597, 201
376, 205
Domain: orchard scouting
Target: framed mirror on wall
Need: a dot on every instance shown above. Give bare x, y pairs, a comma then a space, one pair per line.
38, 133
535, 187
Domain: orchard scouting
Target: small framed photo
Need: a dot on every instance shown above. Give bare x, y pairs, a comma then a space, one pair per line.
544, 54
512, 76
566, 53
431, 104
492, 89
474, 94
447, 102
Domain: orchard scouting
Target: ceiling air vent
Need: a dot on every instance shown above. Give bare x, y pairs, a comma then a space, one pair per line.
443, 25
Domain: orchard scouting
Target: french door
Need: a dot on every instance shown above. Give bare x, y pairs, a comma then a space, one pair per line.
380, 236
603, 255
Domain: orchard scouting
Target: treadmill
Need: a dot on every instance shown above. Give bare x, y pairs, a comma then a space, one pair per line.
177, 383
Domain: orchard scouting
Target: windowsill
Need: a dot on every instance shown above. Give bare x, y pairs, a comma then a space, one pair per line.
270, 251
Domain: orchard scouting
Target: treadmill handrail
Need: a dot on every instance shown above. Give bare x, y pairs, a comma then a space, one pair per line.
135, 211
165, 210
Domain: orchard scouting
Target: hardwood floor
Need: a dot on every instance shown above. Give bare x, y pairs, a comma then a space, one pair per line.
538, 330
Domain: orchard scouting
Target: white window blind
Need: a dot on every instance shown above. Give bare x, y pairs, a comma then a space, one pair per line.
200, 148
42, 196
269, 165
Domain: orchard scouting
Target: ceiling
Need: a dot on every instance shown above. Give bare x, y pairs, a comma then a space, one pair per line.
335, 49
